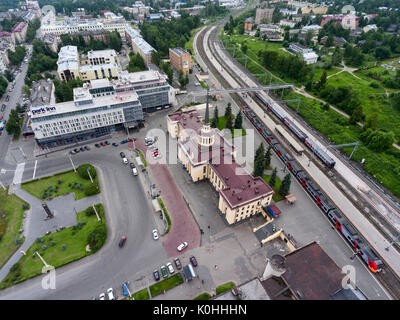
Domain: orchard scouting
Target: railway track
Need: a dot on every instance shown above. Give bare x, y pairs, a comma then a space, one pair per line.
386, 277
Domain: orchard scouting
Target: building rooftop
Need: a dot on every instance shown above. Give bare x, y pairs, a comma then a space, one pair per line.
143, 45
41, 93
89, 67
19, 27
179, 51
251, 290
68, 58
126, 78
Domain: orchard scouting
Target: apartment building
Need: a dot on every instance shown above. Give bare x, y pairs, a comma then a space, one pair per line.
262, 14
180, 59
19, 31
96, 64
138, 44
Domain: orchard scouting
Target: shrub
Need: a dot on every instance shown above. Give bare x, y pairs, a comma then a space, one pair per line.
39, 240
92, 190
25, 207
18, 241
59, 181
63, 247
44, 247
90, 211
97, 238
15, 267
52, 243
83, 171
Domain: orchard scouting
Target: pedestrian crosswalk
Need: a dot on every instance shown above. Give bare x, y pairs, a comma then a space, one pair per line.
19, 171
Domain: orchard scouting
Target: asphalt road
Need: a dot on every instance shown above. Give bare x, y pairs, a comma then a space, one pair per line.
15, 97
128, 213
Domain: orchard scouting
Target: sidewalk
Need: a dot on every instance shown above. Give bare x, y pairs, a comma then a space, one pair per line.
34, 225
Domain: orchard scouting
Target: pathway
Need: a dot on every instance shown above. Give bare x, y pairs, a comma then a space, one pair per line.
34, 225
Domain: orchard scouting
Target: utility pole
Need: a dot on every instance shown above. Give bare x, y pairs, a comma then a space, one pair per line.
73, 166
90, 176
46, 267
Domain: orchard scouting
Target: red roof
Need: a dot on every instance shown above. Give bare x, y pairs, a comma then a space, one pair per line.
5, 34
18, 27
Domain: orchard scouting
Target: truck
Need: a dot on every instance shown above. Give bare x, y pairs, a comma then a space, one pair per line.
273, 211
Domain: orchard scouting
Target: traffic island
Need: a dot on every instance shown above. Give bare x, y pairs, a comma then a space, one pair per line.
166, 285
83, 183
12, 211
224, 287
61, 247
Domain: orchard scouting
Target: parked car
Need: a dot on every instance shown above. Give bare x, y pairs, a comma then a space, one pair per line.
164, 271
7, 98
182, 246
122, 154
170, 268
102, 296
82, 149
102, 144
106, 142
122, 241
156, 275
155, 234
97, 145
72, 152
134, 172
131, 139
124, 141
1, 118
3, 107
193, 261
178, 263
115, 144
76, 150
132, 165
87, 148
125, 289
125, 160
110, 294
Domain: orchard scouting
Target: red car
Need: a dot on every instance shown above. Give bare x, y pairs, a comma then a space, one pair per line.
103, 144
131, 139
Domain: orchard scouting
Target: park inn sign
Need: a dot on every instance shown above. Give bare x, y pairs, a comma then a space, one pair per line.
42, 110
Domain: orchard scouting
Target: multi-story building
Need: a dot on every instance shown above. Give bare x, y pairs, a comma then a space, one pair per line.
305, 53
51, 41
152, 88
138, 44
76, 24
95, 111
205, 154
180, 59
100, 107
4, 35
287, 23
97, 64
264, 14
68, 63
248, 24
19, 31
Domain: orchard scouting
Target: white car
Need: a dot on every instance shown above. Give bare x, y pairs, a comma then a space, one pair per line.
134, 171
125, 160
155, 234
170, 268
102, 296
110, 293
182, 246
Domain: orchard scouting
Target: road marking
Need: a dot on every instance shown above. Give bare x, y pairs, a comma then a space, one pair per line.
19, 171
34, 170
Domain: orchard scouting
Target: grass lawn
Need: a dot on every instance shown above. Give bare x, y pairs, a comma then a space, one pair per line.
11, 214
203, 296
337, 128
189, 44
277, 197
166, 284
72, 239
68, 179
142, 157
141, 295
165, 213
224, 287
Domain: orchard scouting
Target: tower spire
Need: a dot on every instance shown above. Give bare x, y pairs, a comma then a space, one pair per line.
207, 116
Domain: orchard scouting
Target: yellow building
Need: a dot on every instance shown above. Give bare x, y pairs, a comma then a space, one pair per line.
205, 154
320, 10
97, 64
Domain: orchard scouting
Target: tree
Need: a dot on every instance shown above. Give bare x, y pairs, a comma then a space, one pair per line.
114, 41
268, 157
259, 161
272, 179
229, 122
97, 238
357, 114
371, 122
285, 186
8, 75
238, 121
309, 36
215, 120
244, 48
322, 82
228, 110
155, 58
136, 63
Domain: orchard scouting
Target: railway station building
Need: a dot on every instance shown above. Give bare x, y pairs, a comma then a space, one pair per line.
205, 154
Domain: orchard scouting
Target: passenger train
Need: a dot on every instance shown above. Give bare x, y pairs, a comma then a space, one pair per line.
355, 240
318, 152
